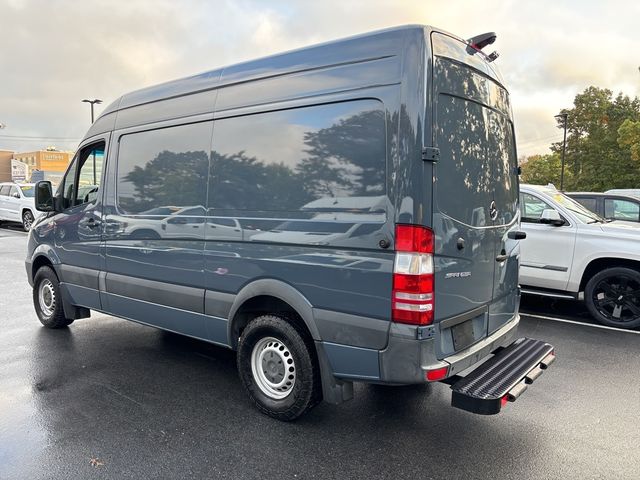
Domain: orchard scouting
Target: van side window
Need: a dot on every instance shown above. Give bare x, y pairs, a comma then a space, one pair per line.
82, 187
283, 160
167, 167
4, 190
531, 208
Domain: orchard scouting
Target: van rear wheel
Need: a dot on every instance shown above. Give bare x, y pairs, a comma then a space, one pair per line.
47, 299
613, 297
277, 368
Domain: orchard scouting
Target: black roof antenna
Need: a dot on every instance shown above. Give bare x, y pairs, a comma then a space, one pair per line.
478, 42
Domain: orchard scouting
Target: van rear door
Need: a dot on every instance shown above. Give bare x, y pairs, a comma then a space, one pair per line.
474, 199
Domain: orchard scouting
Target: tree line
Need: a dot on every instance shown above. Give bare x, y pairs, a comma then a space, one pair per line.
603, 145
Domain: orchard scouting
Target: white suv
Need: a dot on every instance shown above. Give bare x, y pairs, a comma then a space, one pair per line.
17, 203
571, 252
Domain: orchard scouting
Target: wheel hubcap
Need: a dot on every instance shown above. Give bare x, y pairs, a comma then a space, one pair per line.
47, 297
273, 368
27, 220
618, 298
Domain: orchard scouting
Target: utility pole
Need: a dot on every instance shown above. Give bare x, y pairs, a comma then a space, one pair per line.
93, 102
563, 116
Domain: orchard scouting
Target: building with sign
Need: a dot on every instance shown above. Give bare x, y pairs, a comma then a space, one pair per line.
52, 162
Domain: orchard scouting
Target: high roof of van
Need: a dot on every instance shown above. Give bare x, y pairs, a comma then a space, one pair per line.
371, 45
375, 44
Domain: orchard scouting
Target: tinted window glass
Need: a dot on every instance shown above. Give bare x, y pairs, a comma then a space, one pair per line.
282, 161
465, 182
4, 190
502, 151
164, 170
478, 163
13, 191
589, 203
621, 210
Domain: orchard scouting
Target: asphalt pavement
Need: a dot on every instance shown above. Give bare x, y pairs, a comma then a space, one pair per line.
107, 398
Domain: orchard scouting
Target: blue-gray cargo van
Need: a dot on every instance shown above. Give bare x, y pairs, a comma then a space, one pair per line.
342, 213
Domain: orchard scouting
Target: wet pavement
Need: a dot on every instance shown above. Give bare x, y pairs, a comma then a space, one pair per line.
107, 398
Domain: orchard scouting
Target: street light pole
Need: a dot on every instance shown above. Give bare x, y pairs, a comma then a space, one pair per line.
564, 147
93, 102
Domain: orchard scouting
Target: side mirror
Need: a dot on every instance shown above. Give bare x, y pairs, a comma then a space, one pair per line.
44, 196
551, 216
16, 195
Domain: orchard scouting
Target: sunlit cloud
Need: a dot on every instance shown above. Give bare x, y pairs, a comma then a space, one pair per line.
56, 53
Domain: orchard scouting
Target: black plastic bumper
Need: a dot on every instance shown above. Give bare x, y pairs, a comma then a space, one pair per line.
503, 378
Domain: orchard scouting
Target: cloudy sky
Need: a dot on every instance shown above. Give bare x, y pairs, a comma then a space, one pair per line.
54, 53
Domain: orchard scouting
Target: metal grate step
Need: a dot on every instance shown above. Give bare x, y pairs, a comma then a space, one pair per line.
503, 378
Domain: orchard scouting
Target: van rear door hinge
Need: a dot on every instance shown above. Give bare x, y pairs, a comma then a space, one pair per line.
430, 154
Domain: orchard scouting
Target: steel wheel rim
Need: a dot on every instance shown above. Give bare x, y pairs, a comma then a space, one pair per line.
618, 298
27, 220
273, 368
47, 297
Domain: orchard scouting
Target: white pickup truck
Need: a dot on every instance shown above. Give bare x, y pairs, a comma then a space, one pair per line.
571, 252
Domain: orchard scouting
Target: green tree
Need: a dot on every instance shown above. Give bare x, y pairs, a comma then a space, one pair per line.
543, 169
594, 156
629, 136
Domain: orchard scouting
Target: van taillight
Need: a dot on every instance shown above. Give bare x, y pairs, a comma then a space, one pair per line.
412, 300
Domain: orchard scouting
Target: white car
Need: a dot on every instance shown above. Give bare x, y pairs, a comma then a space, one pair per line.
571, 252
17, 204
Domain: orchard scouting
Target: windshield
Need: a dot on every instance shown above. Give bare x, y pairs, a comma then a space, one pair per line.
28, 190
584, 215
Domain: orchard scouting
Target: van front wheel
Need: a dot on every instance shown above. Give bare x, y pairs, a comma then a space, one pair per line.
47, 300
277, 368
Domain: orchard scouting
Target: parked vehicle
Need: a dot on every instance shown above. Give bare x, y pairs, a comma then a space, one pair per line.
17, 203
610, 206
572, 252
338, 157
634, 192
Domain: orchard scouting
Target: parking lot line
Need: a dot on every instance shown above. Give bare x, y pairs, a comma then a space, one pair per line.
564, 320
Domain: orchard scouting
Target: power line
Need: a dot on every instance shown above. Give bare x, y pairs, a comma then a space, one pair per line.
23, 137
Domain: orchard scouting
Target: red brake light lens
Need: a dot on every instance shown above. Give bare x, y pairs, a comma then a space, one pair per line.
414, 238
412, 300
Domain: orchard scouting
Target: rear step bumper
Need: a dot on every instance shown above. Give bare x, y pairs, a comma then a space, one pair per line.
503, 378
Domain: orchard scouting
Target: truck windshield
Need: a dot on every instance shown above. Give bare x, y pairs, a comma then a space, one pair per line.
28, 190
584, 215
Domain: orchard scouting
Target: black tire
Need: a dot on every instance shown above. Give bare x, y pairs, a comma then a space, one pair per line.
613, 297
306, 390
52, 317
27, 220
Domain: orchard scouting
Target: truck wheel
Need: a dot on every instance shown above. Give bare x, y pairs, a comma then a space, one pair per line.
47, 299
613, 297
278, 368
27, 220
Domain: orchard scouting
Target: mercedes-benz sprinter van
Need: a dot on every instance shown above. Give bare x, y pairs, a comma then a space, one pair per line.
342, 213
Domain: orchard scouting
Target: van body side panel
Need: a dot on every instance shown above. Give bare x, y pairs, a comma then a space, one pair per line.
300, 191
76, 232
154, 226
